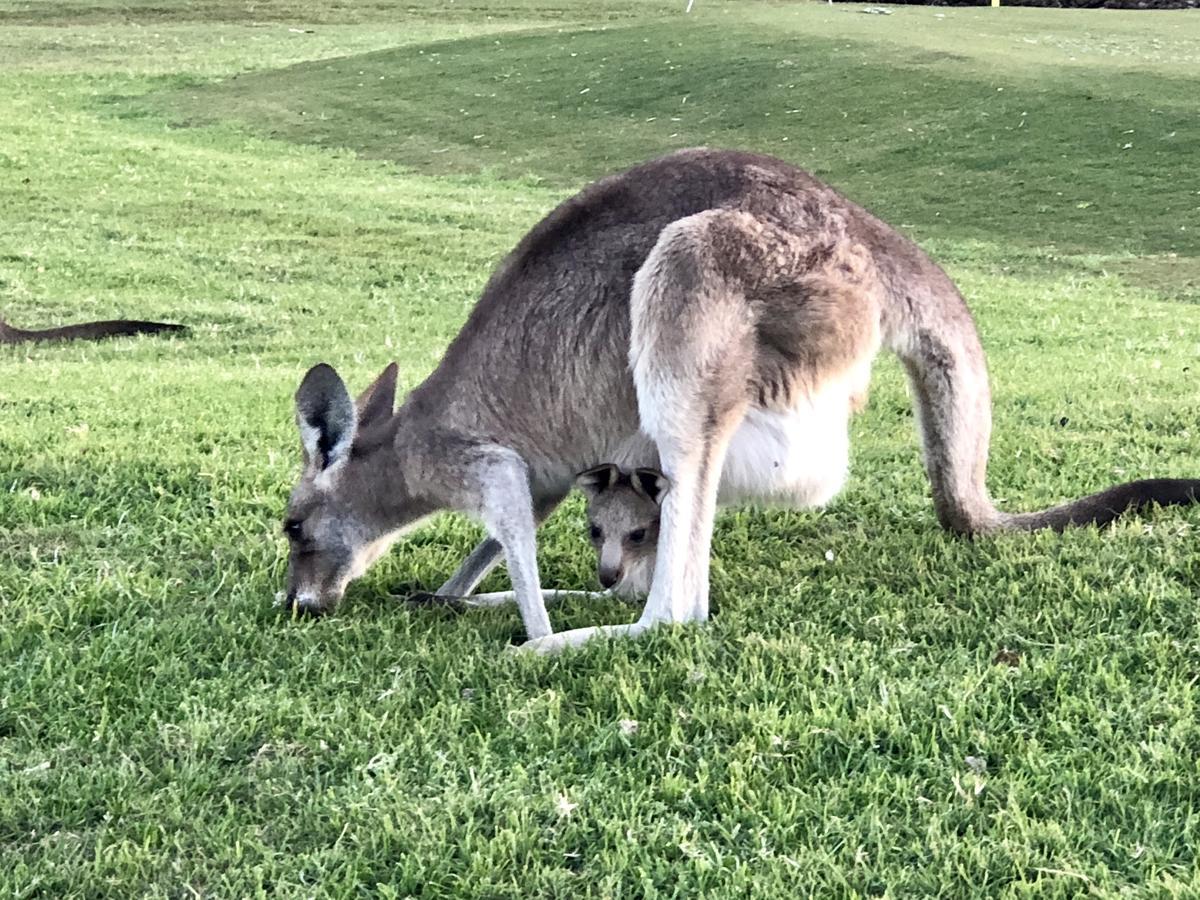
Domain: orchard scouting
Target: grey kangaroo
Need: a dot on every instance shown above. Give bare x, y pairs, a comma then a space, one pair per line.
714, 314
85, 331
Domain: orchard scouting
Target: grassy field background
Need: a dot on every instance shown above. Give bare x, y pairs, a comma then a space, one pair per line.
878, 709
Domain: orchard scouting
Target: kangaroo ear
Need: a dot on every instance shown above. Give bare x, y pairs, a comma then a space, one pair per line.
325, 416
596, 481
650, 483
377, 401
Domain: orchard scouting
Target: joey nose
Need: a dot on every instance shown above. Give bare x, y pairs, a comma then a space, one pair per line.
609, 577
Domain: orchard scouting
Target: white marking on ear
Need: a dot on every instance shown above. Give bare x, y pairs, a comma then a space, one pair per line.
651, 484
324, 479
598, 479
326, 417
310, 439
334, 460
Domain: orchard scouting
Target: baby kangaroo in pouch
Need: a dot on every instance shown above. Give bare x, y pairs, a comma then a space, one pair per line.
623, 510
713, 314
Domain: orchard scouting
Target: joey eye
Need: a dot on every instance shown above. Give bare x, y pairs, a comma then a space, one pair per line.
293, 528
637, 535
595, 532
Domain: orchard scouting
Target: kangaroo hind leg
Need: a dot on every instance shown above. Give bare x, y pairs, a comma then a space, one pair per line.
692, 351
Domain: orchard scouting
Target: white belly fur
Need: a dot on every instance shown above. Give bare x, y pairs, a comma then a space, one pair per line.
798, 457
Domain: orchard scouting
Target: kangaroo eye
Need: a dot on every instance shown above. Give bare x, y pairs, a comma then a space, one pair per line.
293, 528
595, 532
637, 535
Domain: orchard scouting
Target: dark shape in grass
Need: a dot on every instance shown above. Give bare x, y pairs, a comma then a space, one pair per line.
302, 610
1007, 657
86, 331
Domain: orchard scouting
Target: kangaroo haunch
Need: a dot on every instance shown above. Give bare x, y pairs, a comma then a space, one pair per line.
713, 314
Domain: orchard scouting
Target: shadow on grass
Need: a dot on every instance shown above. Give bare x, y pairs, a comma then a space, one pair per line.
924, 139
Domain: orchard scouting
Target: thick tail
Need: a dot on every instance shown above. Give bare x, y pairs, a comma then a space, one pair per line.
1104, 506
87, 331
940, 348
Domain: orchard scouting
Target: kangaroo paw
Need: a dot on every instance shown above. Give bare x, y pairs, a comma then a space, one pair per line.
577, 637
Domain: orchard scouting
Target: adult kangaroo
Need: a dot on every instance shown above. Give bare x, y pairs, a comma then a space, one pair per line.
85, 331
711, 313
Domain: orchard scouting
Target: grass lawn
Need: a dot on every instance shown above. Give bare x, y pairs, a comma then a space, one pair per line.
877, 709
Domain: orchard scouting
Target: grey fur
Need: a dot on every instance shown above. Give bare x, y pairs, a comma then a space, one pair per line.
474, 569
623, 511
654, 319
327, 418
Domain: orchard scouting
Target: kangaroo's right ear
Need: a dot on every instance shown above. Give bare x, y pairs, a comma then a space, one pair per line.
650, 483
326, 417
597, 480
377, 401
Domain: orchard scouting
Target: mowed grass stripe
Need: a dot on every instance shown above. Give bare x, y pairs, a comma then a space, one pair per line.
1064, 159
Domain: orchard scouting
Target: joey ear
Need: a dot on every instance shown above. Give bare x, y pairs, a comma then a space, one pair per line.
650, 483
377, 401
596, 481
325, 416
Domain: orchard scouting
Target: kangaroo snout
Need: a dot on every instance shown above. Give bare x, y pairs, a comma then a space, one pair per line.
609, 576
304, 604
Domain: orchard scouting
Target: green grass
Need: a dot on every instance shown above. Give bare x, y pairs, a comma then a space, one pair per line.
921, 133
165, 732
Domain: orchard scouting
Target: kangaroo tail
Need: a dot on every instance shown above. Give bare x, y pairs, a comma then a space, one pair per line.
87, 331
1105, 506
940, 348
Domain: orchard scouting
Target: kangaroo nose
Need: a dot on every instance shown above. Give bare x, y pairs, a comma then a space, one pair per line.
609, 577
302, 603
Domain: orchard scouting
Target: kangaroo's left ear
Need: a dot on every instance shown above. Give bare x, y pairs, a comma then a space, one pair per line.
597, 480
376, 402
650, 483
325, 416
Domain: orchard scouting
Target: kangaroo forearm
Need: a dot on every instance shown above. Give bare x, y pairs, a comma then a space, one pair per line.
476, 567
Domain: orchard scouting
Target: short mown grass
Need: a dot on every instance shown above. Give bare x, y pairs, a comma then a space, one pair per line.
877, 709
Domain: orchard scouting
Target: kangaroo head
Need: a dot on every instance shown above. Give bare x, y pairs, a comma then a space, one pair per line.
623, 511
351, 499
